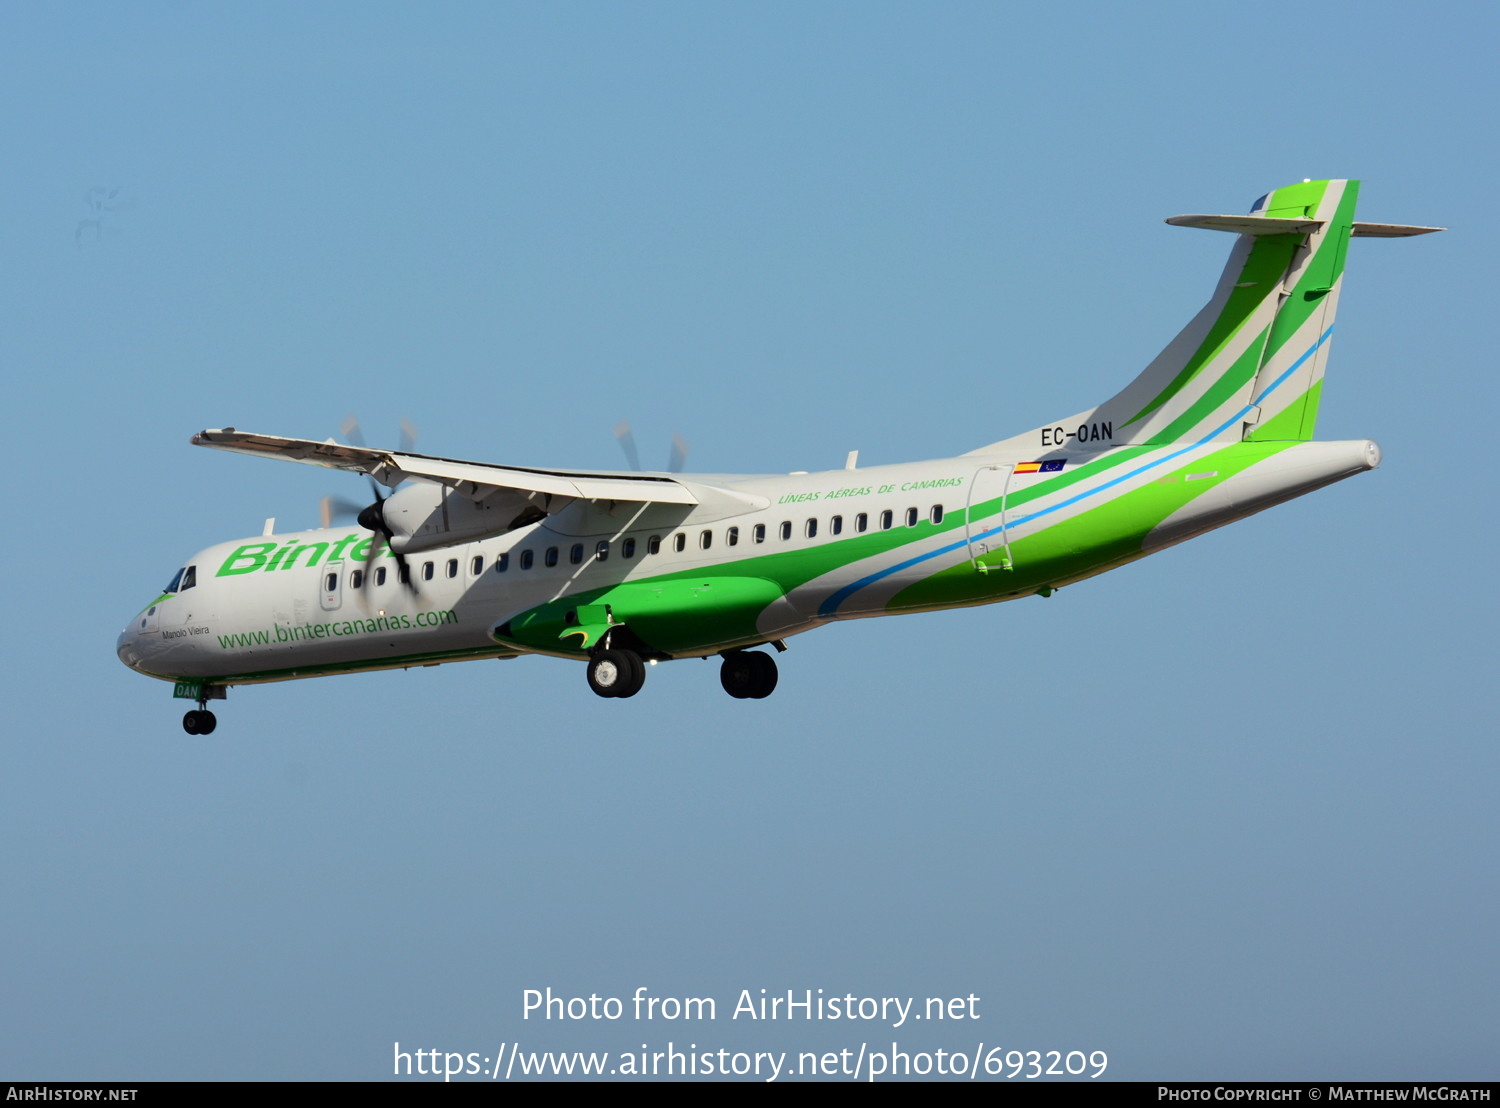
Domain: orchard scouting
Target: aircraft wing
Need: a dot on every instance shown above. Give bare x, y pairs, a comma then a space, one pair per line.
475, 479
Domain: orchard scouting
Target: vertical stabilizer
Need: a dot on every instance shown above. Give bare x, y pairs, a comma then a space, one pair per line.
1249, 366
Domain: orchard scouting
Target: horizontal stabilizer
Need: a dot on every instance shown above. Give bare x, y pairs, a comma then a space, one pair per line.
1391, 230
1247, 224
1277, 225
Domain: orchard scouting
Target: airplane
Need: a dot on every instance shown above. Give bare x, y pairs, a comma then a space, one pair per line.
621, 570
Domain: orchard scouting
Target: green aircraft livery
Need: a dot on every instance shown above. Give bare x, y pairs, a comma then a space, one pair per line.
621, 570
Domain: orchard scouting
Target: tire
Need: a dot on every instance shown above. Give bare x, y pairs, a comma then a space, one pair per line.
190, 722
764, 675
736, 674
616, 673
207, 721
748, 675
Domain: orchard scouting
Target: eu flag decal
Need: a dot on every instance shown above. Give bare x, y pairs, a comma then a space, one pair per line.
1040, 467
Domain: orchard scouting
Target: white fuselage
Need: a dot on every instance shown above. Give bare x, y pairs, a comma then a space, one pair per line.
297, 604
838, 544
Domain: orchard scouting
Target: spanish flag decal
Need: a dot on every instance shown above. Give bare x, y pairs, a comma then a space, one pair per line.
1040, 467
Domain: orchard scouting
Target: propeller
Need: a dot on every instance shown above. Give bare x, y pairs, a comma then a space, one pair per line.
627, 444
675, 460
372, 516
406, 439
678, 458
332, 508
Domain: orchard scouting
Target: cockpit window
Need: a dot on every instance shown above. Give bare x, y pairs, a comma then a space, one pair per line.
190, 578
176, 580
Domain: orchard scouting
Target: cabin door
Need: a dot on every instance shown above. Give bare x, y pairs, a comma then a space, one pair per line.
984, 518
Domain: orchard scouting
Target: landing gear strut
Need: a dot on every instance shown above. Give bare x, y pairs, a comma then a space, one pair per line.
616, 672
200, 721
748, 675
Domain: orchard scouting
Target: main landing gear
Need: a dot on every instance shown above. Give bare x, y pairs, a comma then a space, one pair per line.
748, 674
620, 672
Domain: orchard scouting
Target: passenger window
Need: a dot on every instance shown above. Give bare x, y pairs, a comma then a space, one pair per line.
331, 582
911, 517
862, 523
759, 534
380, 575
732, 537
405, 575
886, 520
551, 557
601, 551
627, 548
502, 562
575, 554
936, 515
811, 530
452, 567
786, 529
679, 542
653, 545
190, 579
476, 567
427, 571
526, 558
836, 525
705, 540
356, 578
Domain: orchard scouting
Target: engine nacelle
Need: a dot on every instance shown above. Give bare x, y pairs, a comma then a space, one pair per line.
424, 516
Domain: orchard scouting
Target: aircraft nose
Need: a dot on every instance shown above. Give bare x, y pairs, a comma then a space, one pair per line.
125, 647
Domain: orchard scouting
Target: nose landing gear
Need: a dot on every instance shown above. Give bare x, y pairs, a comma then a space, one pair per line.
616, 673
200, 721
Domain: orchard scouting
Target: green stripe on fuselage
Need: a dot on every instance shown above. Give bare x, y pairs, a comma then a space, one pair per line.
1101, 538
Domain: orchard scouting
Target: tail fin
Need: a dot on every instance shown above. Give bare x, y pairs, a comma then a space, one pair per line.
1250, 364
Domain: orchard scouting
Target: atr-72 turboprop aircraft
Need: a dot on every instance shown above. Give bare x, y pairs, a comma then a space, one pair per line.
471, 560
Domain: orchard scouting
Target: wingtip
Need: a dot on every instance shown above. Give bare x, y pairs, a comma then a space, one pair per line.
210, 436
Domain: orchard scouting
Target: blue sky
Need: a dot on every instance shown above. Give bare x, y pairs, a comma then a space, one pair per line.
1227, 813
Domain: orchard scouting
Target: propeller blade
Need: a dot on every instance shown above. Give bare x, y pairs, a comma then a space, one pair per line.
354, 435
678, 457
333, 508
372, 518
627, 443
350, 428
